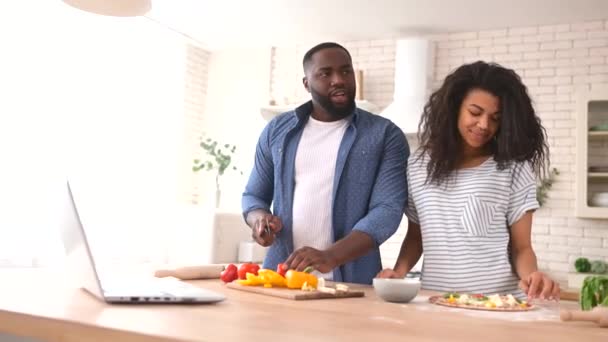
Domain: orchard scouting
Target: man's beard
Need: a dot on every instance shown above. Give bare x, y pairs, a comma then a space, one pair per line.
336, 112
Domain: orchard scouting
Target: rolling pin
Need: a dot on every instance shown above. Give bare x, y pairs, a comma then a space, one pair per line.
598, 315
211, 271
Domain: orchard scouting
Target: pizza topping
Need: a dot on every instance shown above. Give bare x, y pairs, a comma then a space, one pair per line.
508, 302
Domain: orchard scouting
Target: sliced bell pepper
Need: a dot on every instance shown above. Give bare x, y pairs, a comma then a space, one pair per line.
296, 279
271, 277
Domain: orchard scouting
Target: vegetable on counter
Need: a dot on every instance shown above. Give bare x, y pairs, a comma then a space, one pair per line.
594, 292
598, 266
248, 268
282, 269
229, 274
582, 265
266, 278
295, 279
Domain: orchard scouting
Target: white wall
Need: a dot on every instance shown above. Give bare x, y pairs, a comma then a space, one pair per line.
238, 85
98, 97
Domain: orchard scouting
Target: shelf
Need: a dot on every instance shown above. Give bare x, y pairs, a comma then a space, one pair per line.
591, 145
597, 175
598, 134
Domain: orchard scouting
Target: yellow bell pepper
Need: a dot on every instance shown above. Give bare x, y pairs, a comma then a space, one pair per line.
296, 279
266, 278
252, 280
271, 277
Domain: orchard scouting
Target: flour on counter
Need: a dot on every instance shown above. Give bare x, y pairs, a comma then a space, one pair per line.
545, 311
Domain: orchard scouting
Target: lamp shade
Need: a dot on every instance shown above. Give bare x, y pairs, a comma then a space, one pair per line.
115, 8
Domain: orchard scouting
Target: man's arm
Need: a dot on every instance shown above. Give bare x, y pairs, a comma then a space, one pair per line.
386, 211
260, 186
389, 196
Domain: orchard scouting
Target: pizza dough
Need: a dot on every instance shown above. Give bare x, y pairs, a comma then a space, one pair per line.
482, 302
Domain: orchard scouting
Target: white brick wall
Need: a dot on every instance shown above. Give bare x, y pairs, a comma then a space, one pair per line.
376, 58
197, 60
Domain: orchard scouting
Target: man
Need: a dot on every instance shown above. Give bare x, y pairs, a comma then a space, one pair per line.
335, 174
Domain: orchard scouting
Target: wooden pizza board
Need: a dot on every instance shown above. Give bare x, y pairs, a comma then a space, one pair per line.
294, 294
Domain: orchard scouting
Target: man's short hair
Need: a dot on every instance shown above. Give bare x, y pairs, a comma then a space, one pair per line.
327, 45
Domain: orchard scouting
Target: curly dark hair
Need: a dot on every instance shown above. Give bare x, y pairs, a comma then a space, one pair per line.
520, 136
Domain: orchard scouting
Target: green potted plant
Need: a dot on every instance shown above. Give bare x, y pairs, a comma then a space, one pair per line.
585, 268
545, 185
219, 158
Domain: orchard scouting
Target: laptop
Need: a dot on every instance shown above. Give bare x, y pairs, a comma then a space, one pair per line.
146, 290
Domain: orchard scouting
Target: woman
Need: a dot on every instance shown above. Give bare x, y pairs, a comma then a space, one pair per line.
472, 188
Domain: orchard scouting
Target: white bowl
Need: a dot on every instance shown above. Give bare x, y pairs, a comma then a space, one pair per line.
396, 290
599, 199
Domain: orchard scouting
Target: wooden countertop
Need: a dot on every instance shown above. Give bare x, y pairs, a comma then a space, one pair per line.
40, 304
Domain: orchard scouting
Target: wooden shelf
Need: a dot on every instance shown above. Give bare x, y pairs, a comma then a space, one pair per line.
597, 174
598, 134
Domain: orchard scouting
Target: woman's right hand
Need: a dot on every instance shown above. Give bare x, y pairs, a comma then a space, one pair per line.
389, 273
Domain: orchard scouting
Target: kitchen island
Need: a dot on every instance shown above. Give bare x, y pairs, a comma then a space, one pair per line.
40, 304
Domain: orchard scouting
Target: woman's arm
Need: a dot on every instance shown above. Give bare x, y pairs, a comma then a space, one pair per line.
411, 250
524, 259
533, 282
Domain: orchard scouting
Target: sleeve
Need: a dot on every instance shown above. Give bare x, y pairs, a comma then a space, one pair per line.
389, 195
410, 210
259, 190
522, 196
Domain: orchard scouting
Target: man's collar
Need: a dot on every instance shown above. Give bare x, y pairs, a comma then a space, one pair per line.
303, 112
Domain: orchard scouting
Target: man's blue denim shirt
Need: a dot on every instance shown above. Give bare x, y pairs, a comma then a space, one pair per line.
369, 192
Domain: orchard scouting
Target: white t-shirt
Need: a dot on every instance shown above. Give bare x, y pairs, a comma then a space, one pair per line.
465, 225
315, 168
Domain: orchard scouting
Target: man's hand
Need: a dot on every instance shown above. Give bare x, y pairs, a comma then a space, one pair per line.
389, 273
265, 228
321, 261
539, 285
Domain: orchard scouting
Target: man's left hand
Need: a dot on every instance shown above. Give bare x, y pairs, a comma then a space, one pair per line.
321, 261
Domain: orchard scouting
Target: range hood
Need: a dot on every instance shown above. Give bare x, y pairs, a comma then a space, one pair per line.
414, 63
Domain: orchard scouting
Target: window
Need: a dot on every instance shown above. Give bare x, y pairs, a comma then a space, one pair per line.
97, 97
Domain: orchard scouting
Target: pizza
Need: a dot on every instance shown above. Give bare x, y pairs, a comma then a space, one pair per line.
481, 302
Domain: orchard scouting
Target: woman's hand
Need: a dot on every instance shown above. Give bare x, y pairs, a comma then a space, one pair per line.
389, 273
539, 285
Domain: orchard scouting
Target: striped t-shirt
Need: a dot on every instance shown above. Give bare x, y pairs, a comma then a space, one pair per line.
465, 224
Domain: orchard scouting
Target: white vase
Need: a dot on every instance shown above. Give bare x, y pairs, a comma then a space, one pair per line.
218, 198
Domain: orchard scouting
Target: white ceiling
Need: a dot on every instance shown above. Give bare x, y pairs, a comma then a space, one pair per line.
236, 23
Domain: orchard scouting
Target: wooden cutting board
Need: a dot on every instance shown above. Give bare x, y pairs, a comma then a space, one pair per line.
293, 294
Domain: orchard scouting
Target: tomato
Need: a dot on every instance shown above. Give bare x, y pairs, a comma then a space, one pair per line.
229, 274
248, 268
282, 269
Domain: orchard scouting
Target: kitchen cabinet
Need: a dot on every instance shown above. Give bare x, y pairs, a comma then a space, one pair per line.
592, 154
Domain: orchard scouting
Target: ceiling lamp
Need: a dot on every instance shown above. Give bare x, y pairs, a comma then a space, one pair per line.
115, 8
